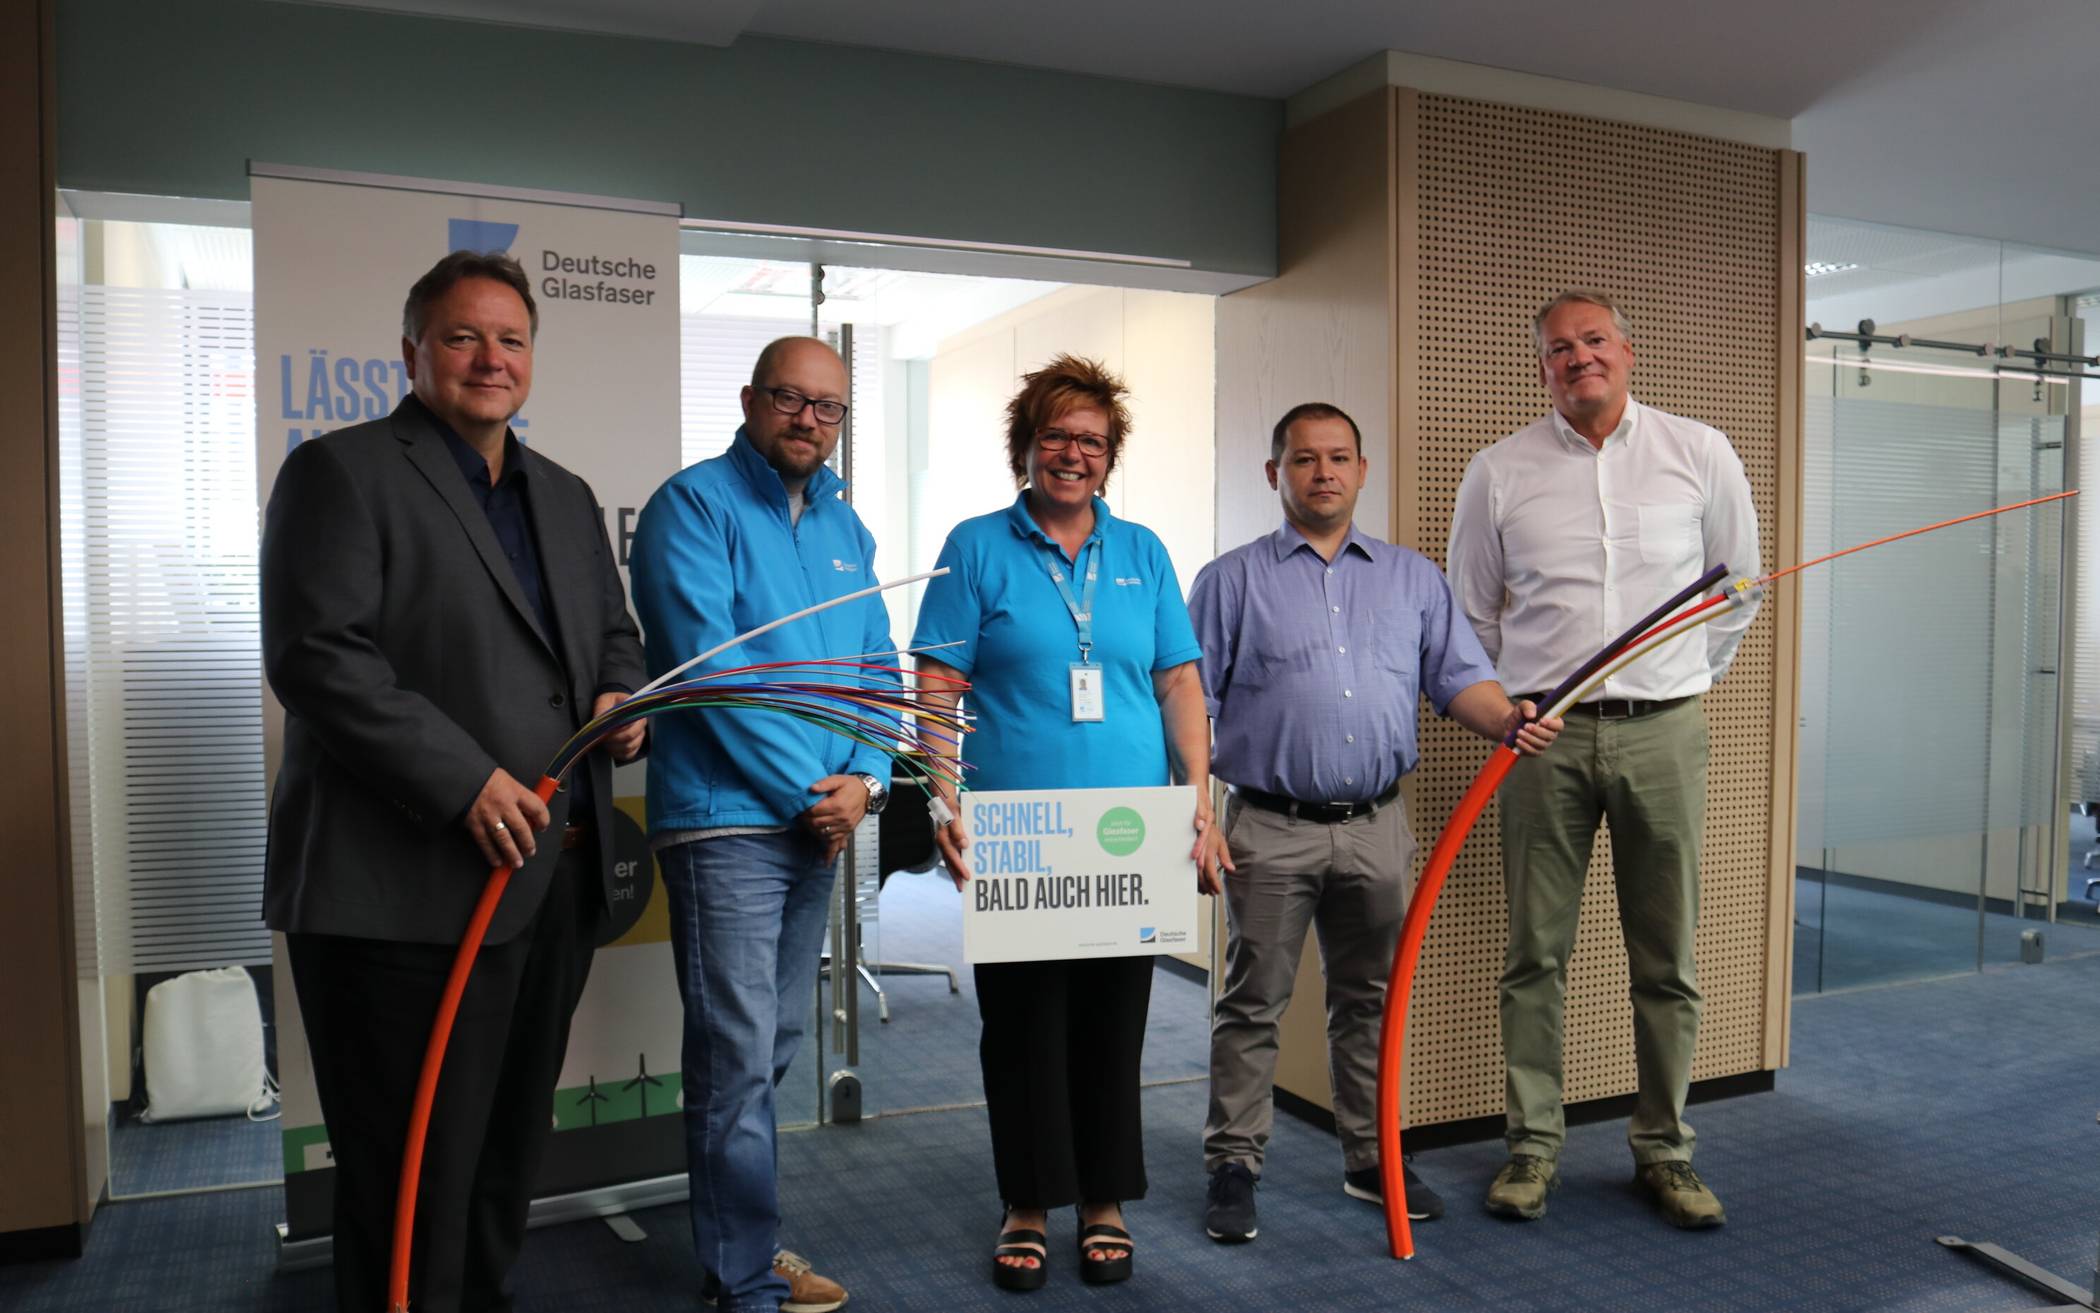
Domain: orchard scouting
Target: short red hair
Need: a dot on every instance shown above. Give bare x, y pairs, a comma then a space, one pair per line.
1066, 384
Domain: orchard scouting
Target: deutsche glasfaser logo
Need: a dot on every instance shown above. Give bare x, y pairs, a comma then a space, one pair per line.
1148, 934
480, 235
1121, 832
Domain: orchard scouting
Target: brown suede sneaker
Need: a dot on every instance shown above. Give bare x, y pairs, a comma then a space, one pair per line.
1519, 1189
807, 1292
1679, 1195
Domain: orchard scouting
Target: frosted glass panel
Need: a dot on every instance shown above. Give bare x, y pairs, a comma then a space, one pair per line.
1929, 680
1909, 637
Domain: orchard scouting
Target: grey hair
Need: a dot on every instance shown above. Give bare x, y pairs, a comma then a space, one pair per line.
1577, 296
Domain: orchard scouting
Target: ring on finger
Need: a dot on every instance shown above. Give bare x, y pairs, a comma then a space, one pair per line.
499, 827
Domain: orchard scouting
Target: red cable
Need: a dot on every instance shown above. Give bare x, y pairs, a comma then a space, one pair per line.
1707, 605
1912, 533
433, 1063
1400, 988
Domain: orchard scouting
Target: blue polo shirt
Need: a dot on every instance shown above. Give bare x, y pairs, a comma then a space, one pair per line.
1017, 642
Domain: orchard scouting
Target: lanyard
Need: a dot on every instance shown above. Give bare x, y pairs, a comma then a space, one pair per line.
1082, 606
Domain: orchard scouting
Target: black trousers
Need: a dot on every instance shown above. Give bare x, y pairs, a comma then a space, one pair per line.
1061, 1046
367, 1005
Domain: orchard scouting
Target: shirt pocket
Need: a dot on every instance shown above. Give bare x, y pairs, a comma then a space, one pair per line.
1396, 642
1669, 534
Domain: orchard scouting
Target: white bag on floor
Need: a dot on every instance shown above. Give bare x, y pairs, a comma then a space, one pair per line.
204, 1047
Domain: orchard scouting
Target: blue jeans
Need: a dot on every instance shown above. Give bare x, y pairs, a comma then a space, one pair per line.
748, 915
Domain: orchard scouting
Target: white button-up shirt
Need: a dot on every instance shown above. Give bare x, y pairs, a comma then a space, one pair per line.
1557, 547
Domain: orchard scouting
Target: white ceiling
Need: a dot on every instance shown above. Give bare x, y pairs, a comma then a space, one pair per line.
919, 310
1869, 271
1945, 114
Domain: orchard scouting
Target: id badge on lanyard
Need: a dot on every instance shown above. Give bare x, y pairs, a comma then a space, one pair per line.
1089, 696
1087, 700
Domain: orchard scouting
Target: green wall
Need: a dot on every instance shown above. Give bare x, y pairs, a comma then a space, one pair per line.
173, 97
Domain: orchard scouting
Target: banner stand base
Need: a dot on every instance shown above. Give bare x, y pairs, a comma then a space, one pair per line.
606, 1201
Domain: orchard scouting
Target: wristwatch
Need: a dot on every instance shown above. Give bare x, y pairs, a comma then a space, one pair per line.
878, 793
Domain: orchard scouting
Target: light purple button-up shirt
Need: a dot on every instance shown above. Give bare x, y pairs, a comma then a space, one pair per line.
1311, 668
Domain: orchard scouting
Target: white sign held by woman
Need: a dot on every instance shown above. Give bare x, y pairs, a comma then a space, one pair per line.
1064, 873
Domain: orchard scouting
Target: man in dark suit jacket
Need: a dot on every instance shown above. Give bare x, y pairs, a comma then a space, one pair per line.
440, 612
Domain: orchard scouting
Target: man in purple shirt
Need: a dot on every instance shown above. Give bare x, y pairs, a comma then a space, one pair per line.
1317, 641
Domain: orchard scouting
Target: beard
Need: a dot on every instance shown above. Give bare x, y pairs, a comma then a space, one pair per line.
797, 455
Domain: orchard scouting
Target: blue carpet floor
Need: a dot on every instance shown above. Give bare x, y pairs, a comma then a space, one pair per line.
145, 1158
1961, 1105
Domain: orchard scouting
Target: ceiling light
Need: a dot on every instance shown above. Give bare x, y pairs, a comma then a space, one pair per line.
1820, 268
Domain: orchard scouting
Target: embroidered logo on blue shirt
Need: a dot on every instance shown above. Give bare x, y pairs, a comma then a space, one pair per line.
848, 566
1132, 581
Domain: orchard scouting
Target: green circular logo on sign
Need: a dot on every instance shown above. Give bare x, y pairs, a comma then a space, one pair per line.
1122, 831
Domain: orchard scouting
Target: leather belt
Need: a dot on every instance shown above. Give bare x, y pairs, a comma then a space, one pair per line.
574, 837
1617, 708
1327, 813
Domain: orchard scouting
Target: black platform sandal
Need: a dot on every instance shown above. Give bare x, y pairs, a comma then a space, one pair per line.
1104, 1271
1021, 1242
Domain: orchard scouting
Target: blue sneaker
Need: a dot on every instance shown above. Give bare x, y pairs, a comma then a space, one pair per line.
1229, 1218
1423, 1203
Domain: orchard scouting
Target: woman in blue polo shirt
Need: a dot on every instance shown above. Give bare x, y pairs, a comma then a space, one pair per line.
1070, 625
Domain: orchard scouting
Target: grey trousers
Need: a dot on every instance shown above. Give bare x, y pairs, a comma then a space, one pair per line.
1647, 775
1349, 880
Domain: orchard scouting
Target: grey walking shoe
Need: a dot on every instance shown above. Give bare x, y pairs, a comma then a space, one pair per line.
1520, 1188
1679, 1195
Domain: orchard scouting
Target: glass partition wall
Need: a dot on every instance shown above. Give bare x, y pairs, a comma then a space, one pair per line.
1934, 673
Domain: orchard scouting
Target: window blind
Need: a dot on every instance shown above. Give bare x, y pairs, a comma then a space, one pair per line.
164, 667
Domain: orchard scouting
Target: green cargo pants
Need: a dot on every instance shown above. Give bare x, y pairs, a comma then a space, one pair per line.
1647, 775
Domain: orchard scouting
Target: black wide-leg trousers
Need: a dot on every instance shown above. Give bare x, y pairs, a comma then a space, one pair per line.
1061, 1048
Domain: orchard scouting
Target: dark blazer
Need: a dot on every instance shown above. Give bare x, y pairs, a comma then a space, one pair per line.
410, 666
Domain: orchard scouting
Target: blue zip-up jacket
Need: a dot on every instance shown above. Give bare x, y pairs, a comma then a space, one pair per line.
713, 556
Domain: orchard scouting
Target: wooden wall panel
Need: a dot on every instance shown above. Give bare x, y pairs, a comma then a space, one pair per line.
1506, 207
1323, 329
45, 1193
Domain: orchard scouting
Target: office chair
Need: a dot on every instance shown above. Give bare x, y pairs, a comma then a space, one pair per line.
904, 843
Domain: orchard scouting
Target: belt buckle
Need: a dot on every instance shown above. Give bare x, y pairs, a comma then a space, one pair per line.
1615, 709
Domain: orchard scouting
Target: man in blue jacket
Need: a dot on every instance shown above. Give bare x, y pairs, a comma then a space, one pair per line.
748, 811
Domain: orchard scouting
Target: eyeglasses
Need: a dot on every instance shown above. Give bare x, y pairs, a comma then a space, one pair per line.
1093, 444
790, 402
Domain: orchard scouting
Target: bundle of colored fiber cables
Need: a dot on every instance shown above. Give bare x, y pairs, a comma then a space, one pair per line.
1667, 623
857, 698
865, 698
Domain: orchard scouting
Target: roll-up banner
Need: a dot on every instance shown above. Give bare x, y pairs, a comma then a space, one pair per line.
335, 255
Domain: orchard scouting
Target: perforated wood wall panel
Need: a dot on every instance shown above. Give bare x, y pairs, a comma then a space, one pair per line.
1497, 208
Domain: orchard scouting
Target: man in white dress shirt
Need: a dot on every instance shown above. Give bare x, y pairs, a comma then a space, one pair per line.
1565, 533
